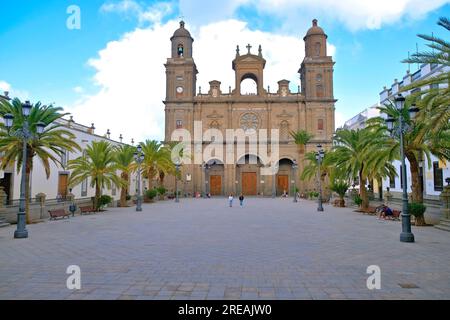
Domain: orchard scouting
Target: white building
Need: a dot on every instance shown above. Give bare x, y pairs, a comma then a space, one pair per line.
432, 178
56, 187
359, 121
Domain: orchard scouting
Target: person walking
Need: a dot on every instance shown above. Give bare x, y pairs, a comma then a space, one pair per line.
230, 200
241, 200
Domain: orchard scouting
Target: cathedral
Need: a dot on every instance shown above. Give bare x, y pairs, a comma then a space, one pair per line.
310, 108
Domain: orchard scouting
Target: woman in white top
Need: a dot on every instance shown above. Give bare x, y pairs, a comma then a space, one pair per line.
230, 200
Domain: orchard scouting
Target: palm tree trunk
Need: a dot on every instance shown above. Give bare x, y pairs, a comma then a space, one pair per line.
97, 196
124, 191
417, 195
363, 191
301, 164
28, 187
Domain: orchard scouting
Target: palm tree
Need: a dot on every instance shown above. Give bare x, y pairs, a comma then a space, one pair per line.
48, 146
435, 102
99, 164
364, 154
301, 138
418, 141
124, 157
157, 160
311, 169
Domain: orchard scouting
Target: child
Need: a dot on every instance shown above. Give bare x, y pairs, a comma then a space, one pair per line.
230, 200
241, 200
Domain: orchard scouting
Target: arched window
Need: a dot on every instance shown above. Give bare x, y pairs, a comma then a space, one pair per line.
284, 130
317, 47
249, 87
319, 91
180, 50
320, 124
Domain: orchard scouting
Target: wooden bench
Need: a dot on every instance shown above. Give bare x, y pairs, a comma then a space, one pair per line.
58, 213
86, 209
370, 210
395, 215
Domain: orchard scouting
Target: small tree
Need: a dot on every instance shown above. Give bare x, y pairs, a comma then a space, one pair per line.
99, 166
417, 210
340, 188
151, 194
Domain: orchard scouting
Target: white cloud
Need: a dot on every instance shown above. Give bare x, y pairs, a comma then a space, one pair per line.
13, 92
339, 119
4, 86
131, 76
78, 89
354, 14
131, 8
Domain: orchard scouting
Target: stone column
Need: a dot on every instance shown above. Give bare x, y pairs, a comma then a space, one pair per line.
445, 198
40, 198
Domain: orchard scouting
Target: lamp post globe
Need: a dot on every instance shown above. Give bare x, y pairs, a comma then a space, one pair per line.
399, 101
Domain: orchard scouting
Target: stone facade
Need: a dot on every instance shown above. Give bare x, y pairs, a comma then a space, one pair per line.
311, 108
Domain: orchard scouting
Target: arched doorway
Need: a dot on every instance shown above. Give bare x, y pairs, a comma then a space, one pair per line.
248, 175
284, 177
215, 177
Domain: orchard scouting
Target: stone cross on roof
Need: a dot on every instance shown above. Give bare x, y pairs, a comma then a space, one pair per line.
249, 47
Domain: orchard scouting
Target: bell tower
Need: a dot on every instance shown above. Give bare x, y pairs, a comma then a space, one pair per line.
181, 71
249, 66
181, 78
316, 71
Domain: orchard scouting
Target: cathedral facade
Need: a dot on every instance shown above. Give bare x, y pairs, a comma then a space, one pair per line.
310, 108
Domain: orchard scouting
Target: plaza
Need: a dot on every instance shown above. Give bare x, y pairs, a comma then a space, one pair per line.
202, 249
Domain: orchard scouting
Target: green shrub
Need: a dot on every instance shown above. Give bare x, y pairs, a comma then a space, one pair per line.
416, 209
314, 194
357, 200
105, 199
340, 188
150, 194
128, 197
161, 190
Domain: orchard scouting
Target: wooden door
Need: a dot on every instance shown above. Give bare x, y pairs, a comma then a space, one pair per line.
282, 184
62, 184
249, 183
215, 184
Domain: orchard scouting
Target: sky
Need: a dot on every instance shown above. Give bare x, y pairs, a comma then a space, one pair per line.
107, 67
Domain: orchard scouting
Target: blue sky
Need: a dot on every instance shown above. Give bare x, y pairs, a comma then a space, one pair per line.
91, 71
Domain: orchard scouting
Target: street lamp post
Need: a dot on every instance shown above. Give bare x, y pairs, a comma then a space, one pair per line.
319, 157
177, 170
25, 133
139, 158
294, 169
274, 176
204, 166
400, 130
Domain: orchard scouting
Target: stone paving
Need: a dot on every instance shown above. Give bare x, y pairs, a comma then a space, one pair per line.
202, 249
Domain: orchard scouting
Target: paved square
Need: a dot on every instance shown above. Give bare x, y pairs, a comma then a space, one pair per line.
202, 249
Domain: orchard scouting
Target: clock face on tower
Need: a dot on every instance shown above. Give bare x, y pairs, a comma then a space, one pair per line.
179, 89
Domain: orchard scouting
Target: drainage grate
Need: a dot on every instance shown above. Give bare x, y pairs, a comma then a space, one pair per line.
408, 285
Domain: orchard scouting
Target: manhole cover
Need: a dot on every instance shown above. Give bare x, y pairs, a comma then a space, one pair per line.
408, 285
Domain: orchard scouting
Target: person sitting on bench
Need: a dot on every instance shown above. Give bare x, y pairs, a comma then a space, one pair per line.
385, 212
